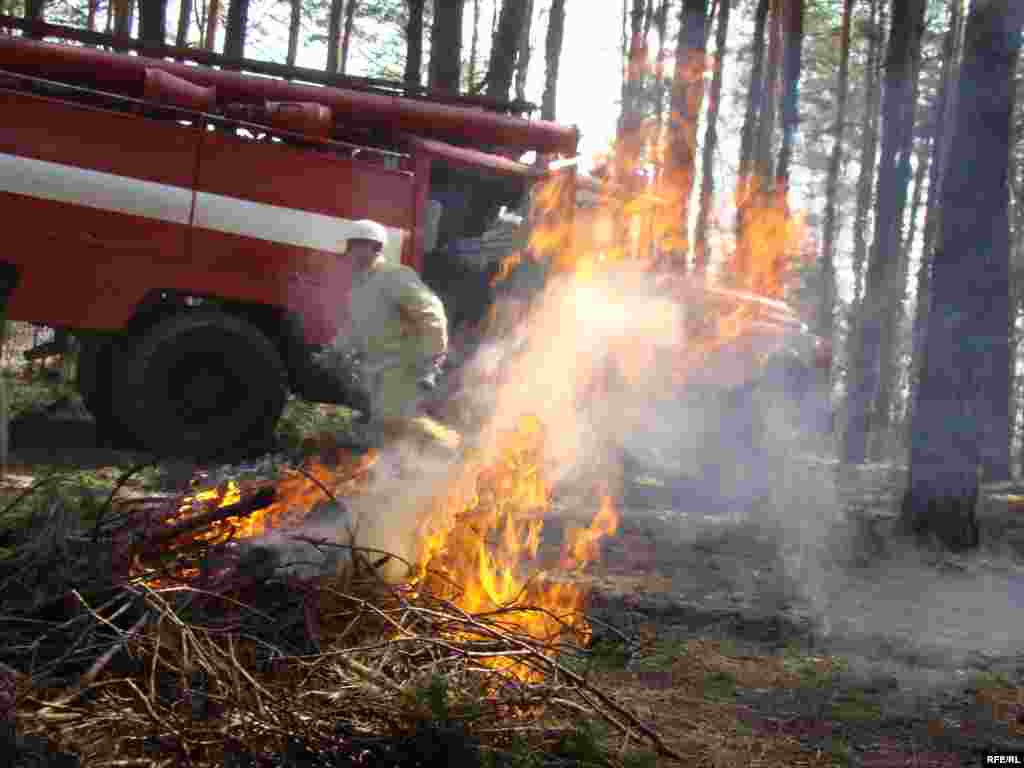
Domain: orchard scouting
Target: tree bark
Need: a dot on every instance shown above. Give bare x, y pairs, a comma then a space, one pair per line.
474, 48
34, 11
882, 408
552, 57
90, 18
238, 23
825, 315
335, 12
153, 22
212, 21
524, 53
684, 105
184, 23
791, 66
346, 35
446, 46
504, 48
970, 284
868, 158
294, 28
414, 42
707, 185
904, 51
752, 110
124, 12
763, 157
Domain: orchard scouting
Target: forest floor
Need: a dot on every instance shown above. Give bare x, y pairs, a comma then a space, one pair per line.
753, 639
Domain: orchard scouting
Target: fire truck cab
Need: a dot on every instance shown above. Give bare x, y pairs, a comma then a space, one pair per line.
184, 222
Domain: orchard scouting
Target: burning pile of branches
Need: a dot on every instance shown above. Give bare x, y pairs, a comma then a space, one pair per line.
222, 629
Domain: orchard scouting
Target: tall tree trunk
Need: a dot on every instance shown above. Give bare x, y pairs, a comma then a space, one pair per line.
896, 286
661, 26
34, 12
474, 48
943, 117
335, 12
825, 315
346, 35
238, 23
684, 105
184, 23
791, 66
752, 111
153, 22
90, 18
124, 12
966, 341
763, 157
446, 47
524, 53
212, 21
745, 184
294, 28
414, 42
904, 51
868, 157
707, 183
504, 48
552, 57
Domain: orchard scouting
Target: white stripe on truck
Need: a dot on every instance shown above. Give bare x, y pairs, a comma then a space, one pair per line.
94, 189
165, 202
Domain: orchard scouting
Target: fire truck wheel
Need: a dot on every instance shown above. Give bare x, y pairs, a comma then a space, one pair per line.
202, 384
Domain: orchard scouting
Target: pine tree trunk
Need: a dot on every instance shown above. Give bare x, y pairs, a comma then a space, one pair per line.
124, 14
685, 104
34, 12
346, 35
474, 48
752, 111
153, 22
294, 28
661, 25
970, 284
414, 42
904, 51
335, 12
868, 157
90, 18
763, 156
896, 287
552, 57
446, 47
504, 48
707, 186
791, 67
184, 23
238, 23
212, 21
744, 181
825, 316
525, 52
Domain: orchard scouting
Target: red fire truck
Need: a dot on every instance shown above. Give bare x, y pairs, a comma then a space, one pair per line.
183, 222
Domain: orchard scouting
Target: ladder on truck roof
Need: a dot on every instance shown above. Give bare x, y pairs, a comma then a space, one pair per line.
384, 87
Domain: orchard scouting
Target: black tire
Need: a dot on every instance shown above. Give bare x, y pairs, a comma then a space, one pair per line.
202, 384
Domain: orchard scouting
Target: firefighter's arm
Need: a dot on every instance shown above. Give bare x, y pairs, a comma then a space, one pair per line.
422, 315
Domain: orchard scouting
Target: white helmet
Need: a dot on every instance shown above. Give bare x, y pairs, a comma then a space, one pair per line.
365, 229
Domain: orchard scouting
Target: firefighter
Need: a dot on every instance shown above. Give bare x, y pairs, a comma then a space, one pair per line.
399, 333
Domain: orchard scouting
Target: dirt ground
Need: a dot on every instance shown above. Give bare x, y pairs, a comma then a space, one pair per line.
838, 650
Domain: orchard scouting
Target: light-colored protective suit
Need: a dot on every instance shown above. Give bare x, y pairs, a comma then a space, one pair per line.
399, 330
